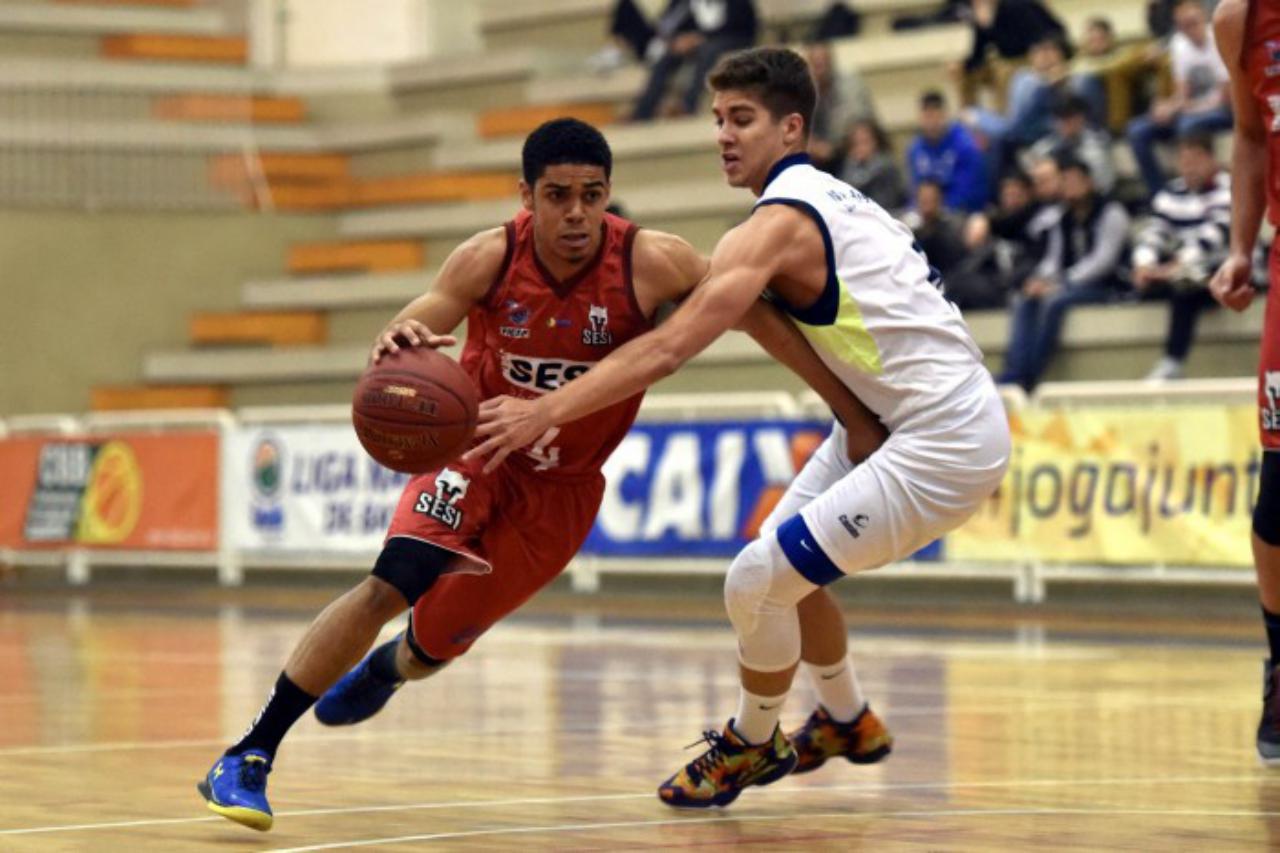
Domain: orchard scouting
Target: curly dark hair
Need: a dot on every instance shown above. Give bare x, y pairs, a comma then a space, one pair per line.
564, 140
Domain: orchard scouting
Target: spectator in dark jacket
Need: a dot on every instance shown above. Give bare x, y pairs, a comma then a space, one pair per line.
937, 229
1181, 245
697, 32
1007, 29
869, 166
1001, 248
945, 152
1084, 243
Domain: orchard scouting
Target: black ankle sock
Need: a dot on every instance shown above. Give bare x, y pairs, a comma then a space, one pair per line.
285, 705
1272, 621
382, 663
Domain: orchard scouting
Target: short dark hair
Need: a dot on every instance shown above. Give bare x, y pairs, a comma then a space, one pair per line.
1100, 23
564, 140
1070, 106
1013, 173
1201, 139
1072, 163
933, 100
777, 76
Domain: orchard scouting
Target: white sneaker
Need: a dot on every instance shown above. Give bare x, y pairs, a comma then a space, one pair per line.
1166, 368
606, 59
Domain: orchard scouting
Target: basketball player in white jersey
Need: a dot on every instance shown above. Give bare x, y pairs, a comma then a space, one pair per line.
853, 280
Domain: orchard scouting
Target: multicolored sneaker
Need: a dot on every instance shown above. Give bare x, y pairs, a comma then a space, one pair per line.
236, 788
865, 740
356, 697
717, 777
1269, 725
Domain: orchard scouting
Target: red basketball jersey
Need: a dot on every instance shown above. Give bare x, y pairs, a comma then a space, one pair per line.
532, 333
1261, 62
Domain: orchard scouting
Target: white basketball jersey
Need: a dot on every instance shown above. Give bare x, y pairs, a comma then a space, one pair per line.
882, 325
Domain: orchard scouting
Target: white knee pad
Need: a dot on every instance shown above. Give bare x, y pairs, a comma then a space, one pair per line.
761, 591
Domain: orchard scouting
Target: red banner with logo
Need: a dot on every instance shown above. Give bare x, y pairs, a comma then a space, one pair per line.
128, 491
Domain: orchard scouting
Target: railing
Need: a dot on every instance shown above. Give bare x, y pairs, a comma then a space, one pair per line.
1028, 578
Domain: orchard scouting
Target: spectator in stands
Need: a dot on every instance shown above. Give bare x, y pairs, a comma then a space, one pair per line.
945, 152
1200, 102
869, 165
1046, 182
695, 32
1084, 245
842, 99
1073, 137
1003, 33
1002, 248
1032, 93
629, 31
937, 229
1182, 243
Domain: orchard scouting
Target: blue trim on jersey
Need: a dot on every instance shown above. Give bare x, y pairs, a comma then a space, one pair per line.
804, 552
800, 159
824, 311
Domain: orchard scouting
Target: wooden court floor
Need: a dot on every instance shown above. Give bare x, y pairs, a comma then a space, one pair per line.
1014, 731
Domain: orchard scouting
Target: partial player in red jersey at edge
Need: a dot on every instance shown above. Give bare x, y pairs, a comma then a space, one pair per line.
1247, 33
545, 297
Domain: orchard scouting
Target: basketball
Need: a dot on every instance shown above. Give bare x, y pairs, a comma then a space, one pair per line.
415, 410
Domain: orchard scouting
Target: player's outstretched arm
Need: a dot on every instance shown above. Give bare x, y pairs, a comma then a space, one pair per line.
742, 265
463, 281
1231, 285
779, 337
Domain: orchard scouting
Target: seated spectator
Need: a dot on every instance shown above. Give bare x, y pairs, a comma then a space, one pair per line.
842, 99
1084, 241
937, 229
1032, 93
1201, 101
869, 166
1002, 248
1073, 137
629, 31
1046, 182
1007, 29
945, 152
697, 32
1183, 242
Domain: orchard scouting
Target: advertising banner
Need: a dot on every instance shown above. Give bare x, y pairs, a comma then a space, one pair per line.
697, 489
307, 488
1136, 486
127, 491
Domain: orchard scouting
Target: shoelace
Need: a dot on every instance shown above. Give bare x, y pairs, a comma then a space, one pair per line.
253, 775
712, 756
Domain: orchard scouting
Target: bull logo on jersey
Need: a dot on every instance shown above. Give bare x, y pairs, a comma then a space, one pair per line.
1271, 389
598, 335
451, 487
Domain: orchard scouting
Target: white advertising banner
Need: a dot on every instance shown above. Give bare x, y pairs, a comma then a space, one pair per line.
306, 488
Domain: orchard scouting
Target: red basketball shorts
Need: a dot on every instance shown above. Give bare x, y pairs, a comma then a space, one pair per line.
514, 532
1269, 360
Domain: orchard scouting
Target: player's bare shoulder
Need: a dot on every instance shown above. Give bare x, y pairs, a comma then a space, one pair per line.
472, 267
664, 268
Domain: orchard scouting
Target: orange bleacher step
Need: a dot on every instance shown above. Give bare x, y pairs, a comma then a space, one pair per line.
278, 328
235, 108
406, 189
357, 256
518, 121
110, 398
232, 50
235, 171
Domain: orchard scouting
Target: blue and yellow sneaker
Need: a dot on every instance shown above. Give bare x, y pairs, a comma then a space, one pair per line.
864, 740
717, 777
356, 697
236, 788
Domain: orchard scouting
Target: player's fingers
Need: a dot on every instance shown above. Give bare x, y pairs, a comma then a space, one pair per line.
484, 448
490, 407
436, 341
498, 459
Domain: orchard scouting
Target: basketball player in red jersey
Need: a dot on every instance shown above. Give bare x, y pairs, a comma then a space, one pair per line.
545, 297
1247, 33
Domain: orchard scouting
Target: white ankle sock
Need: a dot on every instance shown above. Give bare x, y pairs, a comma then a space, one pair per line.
757, 716
838, 689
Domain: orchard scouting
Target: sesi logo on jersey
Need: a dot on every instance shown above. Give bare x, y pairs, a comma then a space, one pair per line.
451, 487
541, 375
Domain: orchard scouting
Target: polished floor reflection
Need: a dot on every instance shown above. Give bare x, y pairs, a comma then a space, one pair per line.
1012, 733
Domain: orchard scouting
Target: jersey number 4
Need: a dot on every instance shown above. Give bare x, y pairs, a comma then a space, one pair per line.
546, 456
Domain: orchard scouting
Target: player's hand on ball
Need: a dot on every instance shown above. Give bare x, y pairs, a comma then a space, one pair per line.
1232, 284
507, 424
401, 333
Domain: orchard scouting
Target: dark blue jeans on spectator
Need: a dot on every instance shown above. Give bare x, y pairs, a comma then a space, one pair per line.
1036, 328
703, 58
1144, 133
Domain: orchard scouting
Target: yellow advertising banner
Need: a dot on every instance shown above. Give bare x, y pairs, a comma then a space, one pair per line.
1169, 485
